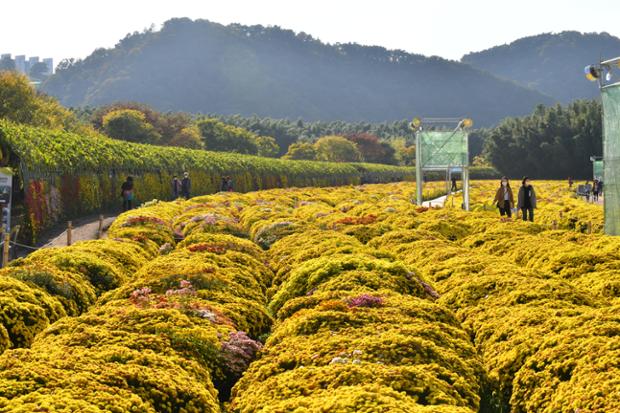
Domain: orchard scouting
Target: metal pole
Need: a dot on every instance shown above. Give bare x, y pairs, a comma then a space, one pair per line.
466, 188
5, 249
466, 175
418, 169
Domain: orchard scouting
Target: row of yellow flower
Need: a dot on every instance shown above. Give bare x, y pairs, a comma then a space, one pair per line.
534, 299
163, 340
379, 305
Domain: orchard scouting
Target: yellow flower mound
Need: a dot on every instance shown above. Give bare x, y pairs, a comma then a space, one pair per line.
364, 301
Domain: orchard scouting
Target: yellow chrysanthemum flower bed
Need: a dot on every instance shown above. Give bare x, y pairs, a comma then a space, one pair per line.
348, 299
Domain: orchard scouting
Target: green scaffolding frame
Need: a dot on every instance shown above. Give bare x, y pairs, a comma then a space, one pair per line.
611, 155
443, 151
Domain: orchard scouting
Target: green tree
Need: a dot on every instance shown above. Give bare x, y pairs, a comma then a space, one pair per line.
218, 136
337, 149
301, 151
130, 125
167, 125
188, 137
38, 71
404, 153
21, 103
553, 142
267, 146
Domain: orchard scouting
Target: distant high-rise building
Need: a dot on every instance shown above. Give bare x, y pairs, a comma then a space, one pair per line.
20, 63
49, 62
24, 65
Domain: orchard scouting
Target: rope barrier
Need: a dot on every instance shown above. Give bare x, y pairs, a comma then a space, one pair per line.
26, 246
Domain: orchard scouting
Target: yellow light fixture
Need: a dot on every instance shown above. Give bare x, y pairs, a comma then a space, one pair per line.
415, 123
592, 72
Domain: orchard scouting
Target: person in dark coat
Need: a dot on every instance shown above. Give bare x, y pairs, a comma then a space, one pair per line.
224, 187
527, 199
186, 186
587, 190
229, 183
176, 187
127, 193
595, 190
454, 188
504, 199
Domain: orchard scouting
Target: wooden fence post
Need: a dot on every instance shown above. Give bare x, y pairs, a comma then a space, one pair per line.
5, 249
15, 237
589, 227
554, 225
69, 234
100, 230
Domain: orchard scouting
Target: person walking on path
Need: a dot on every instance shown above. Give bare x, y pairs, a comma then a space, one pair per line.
527, 199
595, 190
176, 187
454, 188
504, 199
570, 182
127, 193
186, 185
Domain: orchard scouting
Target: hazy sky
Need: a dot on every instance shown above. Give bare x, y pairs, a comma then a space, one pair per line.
447, 28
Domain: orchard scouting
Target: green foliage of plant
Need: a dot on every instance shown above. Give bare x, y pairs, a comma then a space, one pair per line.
20, 102
130, 125
219, 136
337, 149
554, 142
301, 150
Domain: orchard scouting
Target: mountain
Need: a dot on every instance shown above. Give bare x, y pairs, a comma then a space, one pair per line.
550, 63
201, 66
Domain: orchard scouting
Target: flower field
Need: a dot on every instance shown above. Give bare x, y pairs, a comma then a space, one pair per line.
347, 299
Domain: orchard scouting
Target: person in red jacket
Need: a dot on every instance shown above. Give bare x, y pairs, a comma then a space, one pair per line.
504, 199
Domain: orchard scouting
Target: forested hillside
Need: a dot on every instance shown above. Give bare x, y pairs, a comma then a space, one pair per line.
550, 63
204, 67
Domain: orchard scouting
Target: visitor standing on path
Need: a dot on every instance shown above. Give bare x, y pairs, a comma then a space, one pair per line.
595, 190
176, 187
570, 182
127, 193
527, 199
504, 199
186, 185
453, 189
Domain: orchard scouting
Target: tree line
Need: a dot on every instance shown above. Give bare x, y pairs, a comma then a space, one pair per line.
553, 142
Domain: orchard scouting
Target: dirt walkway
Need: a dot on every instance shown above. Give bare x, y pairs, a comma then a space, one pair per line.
438, 202
82, 230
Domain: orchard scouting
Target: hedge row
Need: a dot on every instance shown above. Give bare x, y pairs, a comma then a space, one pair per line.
65, 174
